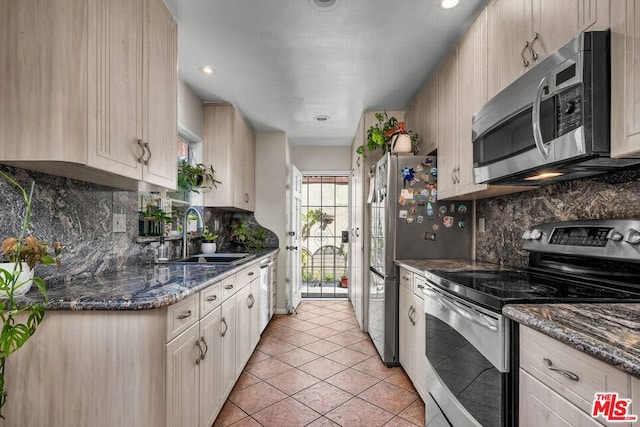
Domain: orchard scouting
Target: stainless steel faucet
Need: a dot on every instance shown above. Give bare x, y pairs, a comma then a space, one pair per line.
185, 237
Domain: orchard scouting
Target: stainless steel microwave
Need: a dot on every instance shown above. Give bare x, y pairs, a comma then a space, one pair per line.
552, 123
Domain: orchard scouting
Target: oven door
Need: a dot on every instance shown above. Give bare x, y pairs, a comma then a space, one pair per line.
467, 362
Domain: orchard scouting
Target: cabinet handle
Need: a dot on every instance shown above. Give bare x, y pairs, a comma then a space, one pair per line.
206, 347
201, 354
525, 61
246, 197
148, 150
357, 231
250, 301
567, 374
224, 322
184, 314
227, 287
212, 298
141, 156
251, 273
409, 313
405, 277
534, 54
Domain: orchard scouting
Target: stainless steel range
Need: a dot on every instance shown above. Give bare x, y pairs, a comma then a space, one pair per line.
471, 348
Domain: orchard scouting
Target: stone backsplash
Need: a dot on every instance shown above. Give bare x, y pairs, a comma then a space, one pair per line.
614, 195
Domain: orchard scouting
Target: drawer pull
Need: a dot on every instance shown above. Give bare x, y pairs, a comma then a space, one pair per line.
405, 278
184, 314
420, 286
250, 273
212, 298
567, 374
223, 322
227, 287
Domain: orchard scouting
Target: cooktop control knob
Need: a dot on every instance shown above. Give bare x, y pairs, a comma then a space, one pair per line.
614, 235
633, 237
526, 235
570, 107
536, 234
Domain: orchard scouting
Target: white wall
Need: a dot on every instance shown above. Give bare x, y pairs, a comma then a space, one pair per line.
309, 158
272, 162
190, 113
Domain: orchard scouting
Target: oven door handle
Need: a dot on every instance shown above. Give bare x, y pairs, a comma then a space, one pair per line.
461, 310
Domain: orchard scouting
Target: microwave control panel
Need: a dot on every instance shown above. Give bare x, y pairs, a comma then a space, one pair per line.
568, 110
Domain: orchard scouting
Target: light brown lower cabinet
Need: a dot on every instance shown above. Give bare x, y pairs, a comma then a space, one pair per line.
165, 367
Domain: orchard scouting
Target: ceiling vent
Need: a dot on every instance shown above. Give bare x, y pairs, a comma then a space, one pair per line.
325, 5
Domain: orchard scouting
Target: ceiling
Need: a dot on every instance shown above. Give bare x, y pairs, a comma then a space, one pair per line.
284, 62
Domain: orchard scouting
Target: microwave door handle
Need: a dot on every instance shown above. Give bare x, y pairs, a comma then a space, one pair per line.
535, 120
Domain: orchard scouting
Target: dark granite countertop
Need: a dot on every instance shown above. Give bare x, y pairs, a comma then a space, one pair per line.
420, 265
136, 288
608, 332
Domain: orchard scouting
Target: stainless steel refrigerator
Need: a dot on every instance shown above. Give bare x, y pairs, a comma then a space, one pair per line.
407, 222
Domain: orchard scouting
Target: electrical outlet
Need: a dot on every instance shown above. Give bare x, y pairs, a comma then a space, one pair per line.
216, 225
119, 223
481, 228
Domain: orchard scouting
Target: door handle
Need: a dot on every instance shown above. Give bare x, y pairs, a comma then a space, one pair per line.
535, 120
291, 248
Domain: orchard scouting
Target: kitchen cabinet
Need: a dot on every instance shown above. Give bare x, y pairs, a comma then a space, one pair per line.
523, 32
448, 167
412, 329
111, 121
228, 332
562, 395
422, 117
625, 75
243, 320
210, 377
229, 146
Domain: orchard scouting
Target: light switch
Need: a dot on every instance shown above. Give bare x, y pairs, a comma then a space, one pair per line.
481, 228
119, 223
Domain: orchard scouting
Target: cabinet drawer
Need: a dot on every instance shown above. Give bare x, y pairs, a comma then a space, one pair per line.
539, 353
210, 298
418, 286
228, 287
406, 279
181, 316
247, 276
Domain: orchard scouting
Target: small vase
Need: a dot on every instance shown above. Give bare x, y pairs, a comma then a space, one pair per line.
24, 282
208, 247
401, 143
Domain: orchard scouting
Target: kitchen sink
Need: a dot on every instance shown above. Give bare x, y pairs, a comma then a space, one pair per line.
232, 258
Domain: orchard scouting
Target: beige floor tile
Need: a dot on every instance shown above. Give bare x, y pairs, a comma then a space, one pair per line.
347, 357
414, 412
246, 422
229, 414
256, 397
322, 368
389, 397
321, 320
245, 380
401, 422
297, 357
375, 367
344, 339
292, 381
303, 326
322, 332
342, 325
274, 346
401, 379
323, 422
322, 347
286, 413
323, 397
300, 339
306, 315
352, 381
268, 368
365, 347
358, 413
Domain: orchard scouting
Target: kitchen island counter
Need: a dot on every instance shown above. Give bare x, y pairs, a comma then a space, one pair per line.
137, 287
608, 332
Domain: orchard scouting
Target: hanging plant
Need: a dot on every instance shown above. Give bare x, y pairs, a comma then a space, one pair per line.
379, 135
194, 177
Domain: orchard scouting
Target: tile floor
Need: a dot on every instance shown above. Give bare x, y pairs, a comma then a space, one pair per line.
316, 368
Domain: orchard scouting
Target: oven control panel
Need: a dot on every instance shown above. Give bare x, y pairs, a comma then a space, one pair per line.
614, 239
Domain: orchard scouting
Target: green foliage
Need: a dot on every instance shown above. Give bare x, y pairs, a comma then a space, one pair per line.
15, 334
192, 177
328, 277
248, 235
379, 135
313, 217
208, 235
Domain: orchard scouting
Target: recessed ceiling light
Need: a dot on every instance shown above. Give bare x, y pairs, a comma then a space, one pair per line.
325, 5
205, 69
321, 118
448, 4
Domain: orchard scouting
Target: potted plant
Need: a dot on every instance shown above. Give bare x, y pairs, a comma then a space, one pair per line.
208, 245
23, 253
151, 222
193, 177
385, 133
249, 236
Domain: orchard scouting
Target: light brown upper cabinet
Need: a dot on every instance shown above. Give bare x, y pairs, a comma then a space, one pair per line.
89, 90
448, 126
422, 117
523, 32
625, 75
229, 146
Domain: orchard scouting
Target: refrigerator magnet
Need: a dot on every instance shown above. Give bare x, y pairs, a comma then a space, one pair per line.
424, 194
407, 193
429, 211
432, 199
461, 223
403, 213
442, 209
419, 219
434, 171
434, 193
419, 168
430, 236
427, 162
413, 210
410, 220
447, 221
402, 201
435, 227
462, 209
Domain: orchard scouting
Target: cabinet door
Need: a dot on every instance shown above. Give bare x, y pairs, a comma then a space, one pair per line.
217, 151
419, 351
625, 75
406, 330
210, 369
472, 96
228, 331
117, 67
447, 126
430, 116
159, 96
182, 379
255, 313
542, 407
248, 167
508, 30
243, 332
